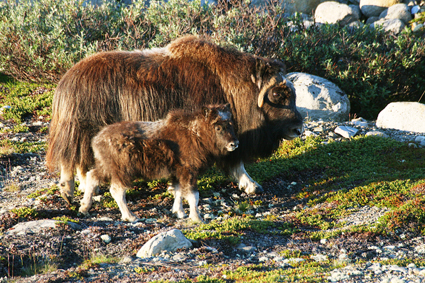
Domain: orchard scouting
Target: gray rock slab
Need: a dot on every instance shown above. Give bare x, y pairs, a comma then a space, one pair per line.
36, 226
167, 241
346, 132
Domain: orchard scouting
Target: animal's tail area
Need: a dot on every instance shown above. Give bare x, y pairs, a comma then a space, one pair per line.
69, 145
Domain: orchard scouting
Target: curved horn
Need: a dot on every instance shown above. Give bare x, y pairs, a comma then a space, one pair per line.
263, 91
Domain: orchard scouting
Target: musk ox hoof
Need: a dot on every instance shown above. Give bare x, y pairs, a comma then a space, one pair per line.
196, 219
84, 209
130, 218
251, 188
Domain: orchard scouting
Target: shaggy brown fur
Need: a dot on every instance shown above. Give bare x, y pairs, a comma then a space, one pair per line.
179, 147
145, 85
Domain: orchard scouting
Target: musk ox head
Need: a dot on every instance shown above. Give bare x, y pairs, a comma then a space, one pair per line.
223, 133
276, 98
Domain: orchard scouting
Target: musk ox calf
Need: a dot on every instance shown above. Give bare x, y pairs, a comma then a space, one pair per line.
178, 147
110, 87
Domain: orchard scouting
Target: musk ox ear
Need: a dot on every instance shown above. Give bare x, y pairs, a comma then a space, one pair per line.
266, 68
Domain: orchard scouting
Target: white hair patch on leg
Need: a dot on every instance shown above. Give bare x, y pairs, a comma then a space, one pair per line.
178, 202
193, 200
246, 183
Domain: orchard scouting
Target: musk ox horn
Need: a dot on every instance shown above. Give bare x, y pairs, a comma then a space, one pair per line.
273, 81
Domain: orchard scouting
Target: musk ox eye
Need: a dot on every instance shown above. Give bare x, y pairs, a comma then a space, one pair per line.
275, 94
218, 128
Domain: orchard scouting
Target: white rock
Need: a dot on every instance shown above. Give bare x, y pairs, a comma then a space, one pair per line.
333, 12
337, 275
168, 241
376, 133
417, 27
420, 249
106, 238
420, 140
318, 98
319, 257
346, 131
405, 116
359, 122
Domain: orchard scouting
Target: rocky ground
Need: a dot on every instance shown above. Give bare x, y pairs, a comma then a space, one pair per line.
70, 249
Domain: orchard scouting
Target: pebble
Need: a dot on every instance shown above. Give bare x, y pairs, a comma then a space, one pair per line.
106, 238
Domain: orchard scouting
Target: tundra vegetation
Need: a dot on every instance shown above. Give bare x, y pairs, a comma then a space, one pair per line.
333, 180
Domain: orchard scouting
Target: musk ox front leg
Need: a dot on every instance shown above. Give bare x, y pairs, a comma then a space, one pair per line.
246, 183
66, 183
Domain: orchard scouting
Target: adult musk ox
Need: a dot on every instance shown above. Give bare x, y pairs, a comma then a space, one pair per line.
178, 147
145, 85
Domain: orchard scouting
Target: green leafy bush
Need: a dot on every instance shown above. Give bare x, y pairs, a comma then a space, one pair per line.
40, 40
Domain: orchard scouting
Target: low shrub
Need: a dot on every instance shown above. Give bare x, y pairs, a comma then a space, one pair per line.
40, 40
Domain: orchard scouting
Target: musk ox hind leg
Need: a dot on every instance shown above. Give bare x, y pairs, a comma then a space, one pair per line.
246, 183
91, 184
118, 193
66, 183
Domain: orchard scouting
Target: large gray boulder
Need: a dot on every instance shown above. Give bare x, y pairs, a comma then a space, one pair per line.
335, 13
394, 26
398, 11
372, 8
404, 116
318, 98
168, 241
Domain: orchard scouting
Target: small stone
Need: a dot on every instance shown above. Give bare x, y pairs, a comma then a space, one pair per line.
208, 216
346, 131
126, 260
420, 140
97, 198
202, 263
323, 241
319, 257
420, 249
106, 238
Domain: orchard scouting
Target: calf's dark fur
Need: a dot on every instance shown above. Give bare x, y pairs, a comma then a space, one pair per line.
178, 147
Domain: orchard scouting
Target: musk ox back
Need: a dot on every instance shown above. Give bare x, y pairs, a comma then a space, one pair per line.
109, 87
178, 147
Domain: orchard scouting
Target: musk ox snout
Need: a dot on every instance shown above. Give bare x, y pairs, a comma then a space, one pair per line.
233, 145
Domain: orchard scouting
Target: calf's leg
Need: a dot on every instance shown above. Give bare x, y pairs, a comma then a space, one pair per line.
82, 176
178, 201
90, 186
66, 183
118, 193
192, 197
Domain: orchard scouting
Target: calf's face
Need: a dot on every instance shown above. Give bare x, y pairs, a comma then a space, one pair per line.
223, 132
